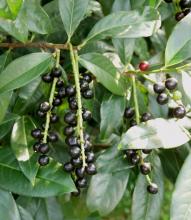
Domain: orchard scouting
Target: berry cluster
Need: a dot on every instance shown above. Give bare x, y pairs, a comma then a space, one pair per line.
185, 6
76, 167
46, 111
164, 92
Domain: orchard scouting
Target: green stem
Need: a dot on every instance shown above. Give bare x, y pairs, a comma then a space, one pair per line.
51, 98
74, 59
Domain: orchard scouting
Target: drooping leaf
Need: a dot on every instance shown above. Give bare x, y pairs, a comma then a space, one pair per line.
4, 103
178, 46
104, 71
8, 207
52, 176
72, 12
131, 24
23, 70
112, 110
146, 206
21, 143
181, 200
156, 133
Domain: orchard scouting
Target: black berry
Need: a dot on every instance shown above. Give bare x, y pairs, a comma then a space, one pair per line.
147, 151
145, 168
81, 183
87, 115
52, 137
159, 88
171, 83
185, 4
44, 148
179, 16
68, 167
56, 72
179, 112
69, 117
84, 85
75, 151
61, 93
186, 11
47, 78
77, 162
130, 153
36, 147
162, 99
73, 104
70, 90
152, 188
41, 114
129, 112
54, 118
44, 107
69, 130
146, 116
88, 94
36, 133
87, 77
57, 101
135, 159
43, 160
59, 83
91, 169
72, 141
86, 136
87, 146
132, 123
90, 157
80, 172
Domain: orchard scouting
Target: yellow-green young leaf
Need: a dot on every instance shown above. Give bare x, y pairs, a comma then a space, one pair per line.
144, 205
72, 12
181, 199
23, 70
156, 133
178, 46
22, 145
104, 71
131, 24
14, 6
51, 180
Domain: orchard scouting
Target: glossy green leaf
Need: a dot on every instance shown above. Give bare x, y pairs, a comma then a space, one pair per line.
8, 207
5, 59
186, 80
22, 145
48, 208
23, 70
72, 12
181, 200
4, 103
50, 181
14, 6
112, 110
24, 214
131, 24
178, 46
121, 5
104, 71
146, 206
156, 133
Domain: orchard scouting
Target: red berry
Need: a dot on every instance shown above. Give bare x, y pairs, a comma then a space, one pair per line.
143, 66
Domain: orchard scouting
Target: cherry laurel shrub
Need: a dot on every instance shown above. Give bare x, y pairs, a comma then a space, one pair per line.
95, 109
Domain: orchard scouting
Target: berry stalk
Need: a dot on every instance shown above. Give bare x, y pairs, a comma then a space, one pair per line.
51, 98
74, 59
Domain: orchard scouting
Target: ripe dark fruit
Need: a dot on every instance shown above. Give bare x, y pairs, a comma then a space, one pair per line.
81, 183
87, 77
132, 123
129, 112
87, 146
72, 141
179, 112
54, 118
144, 65
185, 4
44, 107
171, 83
145, 168
77, 162
41, 114
84, 85
75, 152
44, 148
52, 137
147, 151
146, 116
135, 159
43, 160
80, 172
36, 147
179, 16
70, 90
86, 136
130, 153
91, 169
152, 188
87, 115
59, 83
186, 11
56, 72
47, 78
162, 99
68, 167
73, 105
61, 93
69, 117
57, 101
88, 94
90, 157
36, 133
159, 88
69, 130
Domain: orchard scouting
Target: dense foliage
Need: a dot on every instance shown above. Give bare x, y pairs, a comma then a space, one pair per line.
95, 113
